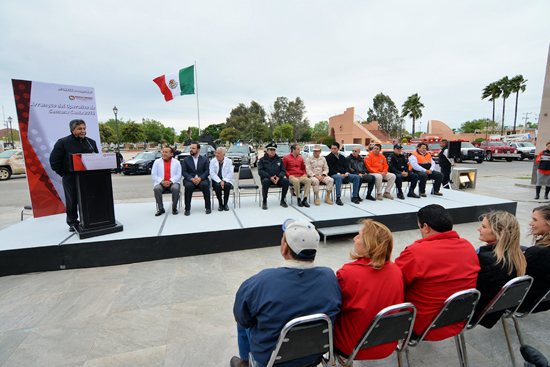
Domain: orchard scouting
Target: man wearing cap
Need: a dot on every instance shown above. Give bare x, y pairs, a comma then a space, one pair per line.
357, 166
338, 169
317, 171
378, 167
398, 164
296, 173
268, 300
272, 172
421, 163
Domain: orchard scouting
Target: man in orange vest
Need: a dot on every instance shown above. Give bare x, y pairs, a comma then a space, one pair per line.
423, 165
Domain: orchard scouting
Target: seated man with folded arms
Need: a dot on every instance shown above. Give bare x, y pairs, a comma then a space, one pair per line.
338, 169
317, 171
166, 172
398, 164
421, 163
357, 166
268, 300
296, 173
435, 267
378, 167
221, 173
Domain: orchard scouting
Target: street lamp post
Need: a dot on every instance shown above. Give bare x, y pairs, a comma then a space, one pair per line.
9, 121
115, 110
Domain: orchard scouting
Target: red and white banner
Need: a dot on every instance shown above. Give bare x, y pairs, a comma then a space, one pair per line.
44, 111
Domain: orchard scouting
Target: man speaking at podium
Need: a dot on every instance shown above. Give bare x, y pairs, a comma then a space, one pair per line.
60, 161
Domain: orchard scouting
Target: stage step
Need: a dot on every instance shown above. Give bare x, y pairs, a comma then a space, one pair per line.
339, 230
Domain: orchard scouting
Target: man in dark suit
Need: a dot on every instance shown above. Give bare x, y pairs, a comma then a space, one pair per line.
195, 170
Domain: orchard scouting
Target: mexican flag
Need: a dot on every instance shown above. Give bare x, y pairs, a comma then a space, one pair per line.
177, 83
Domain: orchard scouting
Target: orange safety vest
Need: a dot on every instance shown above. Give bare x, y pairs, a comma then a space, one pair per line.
423, 160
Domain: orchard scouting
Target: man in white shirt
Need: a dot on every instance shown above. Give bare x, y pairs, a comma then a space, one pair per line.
166, 173
221, 173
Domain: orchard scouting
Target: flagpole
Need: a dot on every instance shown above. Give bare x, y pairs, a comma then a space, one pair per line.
197, 88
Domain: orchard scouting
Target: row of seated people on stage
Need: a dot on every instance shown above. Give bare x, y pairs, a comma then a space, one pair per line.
425, 273
167, 172
332, 171
335, 170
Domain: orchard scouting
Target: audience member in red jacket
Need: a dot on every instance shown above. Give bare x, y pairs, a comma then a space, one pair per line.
435, 267
296, 173
369, 284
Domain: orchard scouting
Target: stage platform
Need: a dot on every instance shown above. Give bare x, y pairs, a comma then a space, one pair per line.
44, 244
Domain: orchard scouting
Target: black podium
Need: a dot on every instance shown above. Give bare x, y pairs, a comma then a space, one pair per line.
95, 194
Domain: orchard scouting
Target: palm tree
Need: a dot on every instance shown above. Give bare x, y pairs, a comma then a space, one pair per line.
506, 88
413, 108
517, 84
492, 91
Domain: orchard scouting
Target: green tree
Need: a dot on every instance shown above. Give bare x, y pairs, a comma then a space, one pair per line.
132, 132
308, 135
112, 123
257, 131
288, 132
214, 130
492, 91
168, 135
413, 108
518, 84
230, 134
472, 126
153, 131
289, 112
506, 88
106, 134
320, 129
532, 125
245, 119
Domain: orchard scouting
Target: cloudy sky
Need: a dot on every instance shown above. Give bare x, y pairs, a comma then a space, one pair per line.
332, 54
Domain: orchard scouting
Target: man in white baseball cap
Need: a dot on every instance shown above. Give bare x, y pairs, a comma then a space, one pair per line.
268, 300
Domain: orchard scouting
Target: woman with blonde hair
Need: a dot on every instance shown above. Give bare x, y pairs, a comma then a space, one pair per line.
369, 284
500, 260
538, 258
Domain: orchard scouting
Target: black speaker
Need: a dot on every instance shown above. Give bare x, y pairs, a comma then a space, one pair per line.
454, 149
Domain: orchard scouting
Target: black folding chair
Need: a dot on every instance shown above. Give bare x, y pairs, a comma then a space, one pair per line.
393, 323
300, 338
509, 298
459, 307
245, 173
522, 313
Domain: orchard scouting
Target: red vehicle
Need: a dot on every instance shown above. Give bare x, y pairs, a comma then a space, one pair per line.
496, 149
433, 146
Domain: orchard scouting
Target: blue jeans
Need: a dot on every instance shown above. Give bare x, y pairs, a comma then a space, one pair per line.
243, 339
354, 179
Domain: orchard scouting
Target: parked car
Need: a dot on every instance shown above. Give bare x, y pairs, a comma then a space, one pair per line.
307, 150
346, 150
141, 163
11, 163
242, 155
496, 149
207, 150
469, 151
282, 150
526, 149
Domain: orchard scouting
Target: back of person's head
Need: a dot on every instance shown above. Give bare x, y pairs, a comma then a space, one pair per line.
302, 239
544, 239
505, 227
436, 217
378, 242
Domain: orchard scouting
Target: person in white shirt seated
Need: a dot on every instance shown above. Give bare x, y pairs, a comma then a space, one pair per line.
221, 173
166, 173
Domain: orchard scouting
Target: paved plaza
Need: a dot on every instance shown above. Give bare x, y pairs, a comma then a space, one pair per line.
178, 312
